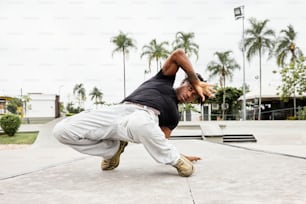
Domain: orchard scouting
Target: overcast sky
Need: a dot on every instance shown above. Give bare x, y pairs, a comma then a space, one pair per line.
48, 46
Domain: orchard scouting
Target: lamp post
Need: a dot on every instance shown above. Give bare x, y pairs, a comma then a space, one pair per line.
239, 13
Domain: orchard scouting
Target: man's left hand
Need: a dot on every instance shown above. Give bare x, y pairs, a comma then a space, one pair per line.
205, 89
193, 158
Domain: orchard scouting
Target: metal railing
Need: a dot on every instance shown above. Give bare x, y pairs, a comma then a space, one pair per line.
278, 114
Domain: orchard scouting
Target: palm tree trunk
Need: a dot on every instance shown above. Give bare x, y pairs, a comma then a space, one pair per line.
79, 100
294, 103
157, 68
294, 85
124, 88
223, 108
259, 101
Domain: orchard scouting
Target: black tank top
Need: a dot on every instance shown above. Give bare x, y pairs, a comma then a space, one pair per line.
158, 93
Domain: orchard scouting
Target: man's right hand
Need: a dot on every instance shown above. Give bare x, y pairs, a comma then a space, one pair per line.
204, 89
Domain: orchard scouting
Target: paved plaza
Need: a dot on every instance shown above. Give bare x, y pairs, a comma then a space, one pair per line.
49, 172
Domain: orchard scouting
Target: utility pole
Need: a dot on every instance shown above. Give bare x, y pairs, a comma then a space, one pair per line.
239, 14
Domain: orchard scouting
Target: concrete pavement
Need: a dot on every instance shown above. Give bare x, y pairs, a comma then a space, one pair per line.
56, 174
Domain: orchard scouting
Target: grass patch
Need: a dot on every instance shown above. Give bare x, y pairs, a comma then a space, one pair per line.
18, 138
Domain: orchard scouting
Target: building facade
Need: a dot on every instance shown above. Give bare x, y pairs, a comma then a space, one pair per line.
42, 106
3, 103
272, 106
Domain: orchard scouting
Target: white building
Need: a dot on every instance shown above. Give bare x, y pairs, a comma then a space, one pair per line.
43, 106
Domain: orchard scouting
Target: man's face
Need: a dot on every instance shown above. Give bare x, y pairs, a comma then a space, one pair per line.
186, 93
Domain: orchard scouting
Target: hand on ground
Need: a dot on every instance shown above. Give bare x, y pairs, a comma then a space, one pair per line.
193, 158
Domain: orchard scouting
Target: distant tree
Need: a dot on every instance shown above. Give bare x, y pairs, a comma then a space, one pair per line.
302, 113
123, 44
80, 93
13, 105
223, 68
258, 40
293, 80
155, 51
96, 95
72, 110
286, 47
232, 96
185, 41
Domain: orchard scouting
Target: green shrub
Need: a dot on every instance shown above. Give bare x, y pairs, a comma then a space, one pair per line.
302, 113
13, 105
69, 114
292, 118
10, 124
71, 109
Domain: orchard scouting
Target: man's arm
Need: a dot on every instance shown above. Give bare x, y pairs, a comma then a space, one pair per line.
167, 133
178, 59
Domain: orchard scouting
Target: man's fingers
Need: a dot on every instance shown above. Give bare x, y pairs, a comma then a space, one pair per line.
210, 89
193, 158
205, 90
203, 97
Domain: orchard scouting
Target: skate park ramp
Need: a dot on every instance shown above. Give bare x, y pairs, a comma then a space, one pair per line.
44, 153
284, 137
45, 138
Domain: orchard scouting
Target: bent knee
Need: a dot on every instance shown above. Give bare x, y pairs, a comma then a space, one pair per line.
59, 131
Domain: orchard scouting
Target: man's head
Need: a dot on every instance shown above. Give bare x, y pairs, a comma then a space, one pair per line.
186, 93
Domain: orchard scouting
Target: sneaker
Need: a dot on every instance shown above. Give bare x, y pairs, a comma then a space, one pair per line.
110, 164
184, 167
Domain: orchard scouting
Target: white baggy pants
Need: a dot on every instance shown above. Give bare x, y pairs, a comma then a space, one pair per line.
98, 132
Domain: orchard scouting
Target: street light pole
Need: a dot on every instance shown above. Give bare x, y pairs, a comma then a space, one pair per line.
239, 13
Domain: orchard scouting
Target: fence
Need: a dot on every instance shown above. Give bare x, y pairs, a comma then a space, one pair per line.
278, 114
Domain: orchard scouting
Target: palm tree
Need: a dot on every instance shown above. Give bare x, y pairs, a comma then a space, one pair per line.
258, 40
155, 51
123, 43
285, 46
80, 93
96, 95
223, 67
185, 41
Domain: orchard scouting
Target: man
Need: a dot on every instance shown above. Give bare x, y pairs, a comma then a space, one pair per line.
146, 116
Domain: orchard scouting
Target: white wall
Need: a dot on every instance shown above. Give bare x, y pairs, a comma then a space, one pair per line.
41, 105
